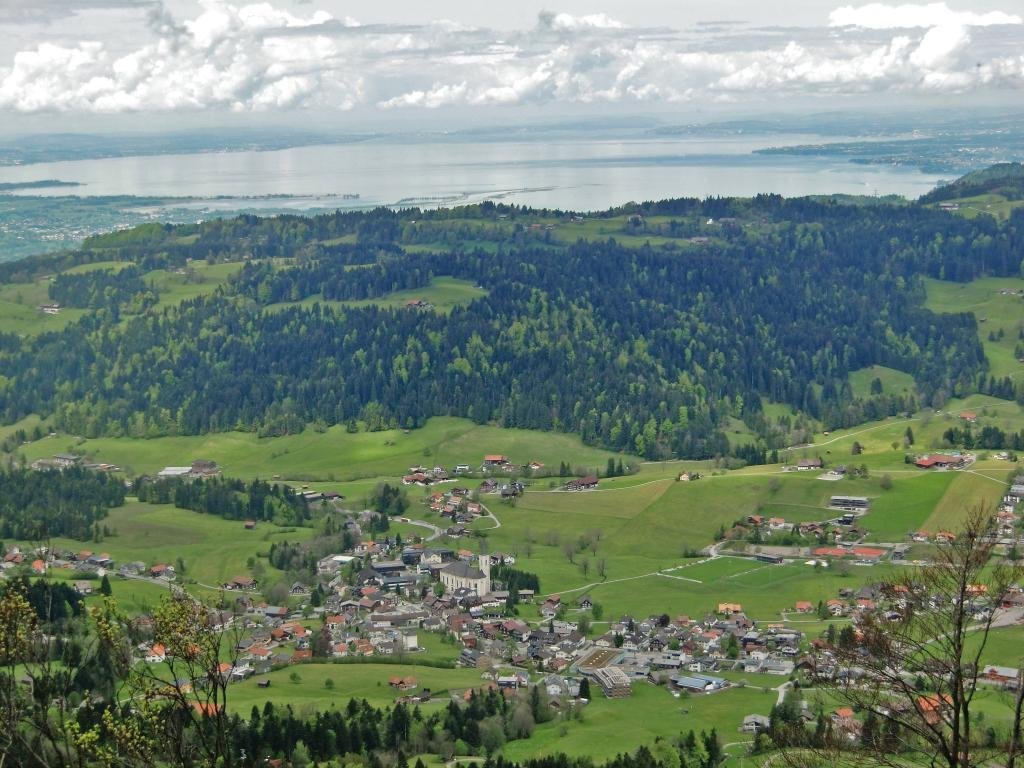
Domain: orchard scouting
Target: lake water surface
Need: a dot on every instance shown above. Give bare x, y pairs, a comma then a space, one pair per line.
578, 174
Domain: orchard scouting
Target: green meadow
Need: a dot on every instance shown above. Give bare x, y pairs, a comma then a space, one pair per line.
212, 548
19, 313
350, 680
893, 382
442, 293
174, 288
997, 313
19, 301
990, 204
763, 590
607, 727
333, 454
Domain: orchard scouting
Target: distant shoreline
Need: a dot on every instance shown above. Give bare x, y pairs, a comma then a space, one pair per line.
10, 186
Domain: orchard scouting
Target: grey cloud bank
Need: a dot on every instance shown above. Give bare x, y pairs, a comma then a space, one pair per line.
262, 57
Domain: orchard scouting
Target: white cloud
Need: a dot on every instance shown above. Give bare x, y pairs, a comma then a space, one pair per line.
262, 57
911, 16
940, 47
228, 57
564, 22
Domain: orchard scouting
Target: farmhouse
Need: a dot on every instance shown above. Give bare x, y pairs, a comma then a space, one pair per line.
582, 483
241, 583
203, 468
65, 460
939, 461
755, 724
162, 571
1008, 677
495, 460
806, 464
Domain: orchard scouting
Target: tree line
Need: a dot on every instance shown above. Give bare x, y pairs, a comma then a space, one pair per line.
229, 498
38, 505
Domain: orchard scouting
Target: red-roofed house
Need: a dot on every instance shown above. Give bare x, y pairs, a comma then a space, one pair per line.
931, 706
939, 461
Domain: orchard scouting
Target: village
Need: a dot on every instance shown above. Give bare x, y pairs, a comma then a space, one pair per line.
385, 598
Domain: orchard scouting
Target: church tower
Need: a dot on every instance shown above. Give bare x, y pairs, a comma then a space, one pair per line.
485, 568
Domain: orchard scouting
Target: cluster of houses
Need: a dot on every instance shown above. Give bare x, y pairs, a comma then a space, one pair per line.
1007, 517
85, 564
492, 463
890, 603
455, 504
62, 461
842, 533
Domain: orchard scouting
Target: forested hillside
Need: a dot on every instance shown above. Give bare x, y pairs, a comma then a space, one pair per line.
646, 348
1006, 179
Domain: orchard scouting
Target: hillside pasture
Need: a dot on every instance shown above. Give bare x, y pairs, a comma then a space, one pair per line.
893, 382
763, 590
608, 727
997, 305
351, 681
333, 454
212, 548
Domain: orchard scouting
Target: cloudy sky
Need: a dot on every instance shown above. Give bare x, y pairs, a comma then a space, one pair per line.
68, 61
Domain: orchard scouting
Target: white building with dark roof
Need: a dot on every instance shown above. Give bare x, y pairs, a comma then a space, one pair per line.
464, 574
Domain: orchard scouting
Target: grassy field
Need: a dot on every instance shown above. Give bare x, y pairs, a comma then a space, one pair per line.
610, 727
133, 596
113, 266
907, 507
965, 491
28, 424
212, 548
987, 205
995, 313
444, 293
175, 288
359, 681
18, 301
334, 454
893, 382
647, 525
18, 312
764, 590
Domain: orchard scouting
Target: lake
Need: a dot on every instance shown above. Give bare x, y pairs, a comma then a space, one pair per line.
578, 174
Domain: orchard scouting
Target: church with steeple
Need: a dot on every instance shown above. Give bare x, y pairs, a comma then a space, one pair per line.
463, 574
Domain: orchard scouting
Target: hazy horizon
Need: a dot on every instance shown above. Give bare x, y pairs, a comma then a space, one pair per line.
141, 65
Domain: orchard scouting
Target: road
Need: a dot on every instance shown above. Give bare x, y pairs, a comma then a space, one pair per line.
435, 531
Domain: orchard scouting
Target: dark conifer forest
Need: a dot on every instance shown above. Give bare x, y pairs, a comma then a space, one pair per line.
647, 349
